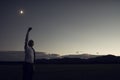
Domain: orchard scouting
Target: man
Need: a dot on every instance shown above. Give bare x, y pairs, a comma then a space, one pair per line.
29, 57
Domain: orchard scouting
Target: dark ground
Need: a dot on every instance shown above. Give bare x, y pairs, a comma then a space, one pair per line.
63, 72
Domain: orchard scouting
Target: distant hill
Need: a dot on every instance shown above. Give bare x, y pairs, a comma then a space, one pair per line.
82, 56
42, 57
107, 59
19, 56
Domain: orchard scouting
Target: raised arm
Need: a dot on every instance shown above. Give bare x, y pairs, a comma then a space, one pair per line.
27, 37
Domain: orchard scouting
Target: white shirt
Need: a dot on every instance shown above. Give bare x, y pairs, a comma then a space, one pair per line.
29, 55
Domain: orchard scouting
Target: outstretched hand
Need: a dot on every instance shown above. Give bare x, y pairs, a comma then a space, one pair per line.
29, 29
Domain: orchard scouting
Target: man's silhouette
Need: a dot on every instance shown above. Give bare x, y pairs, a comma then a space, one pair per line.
29, 57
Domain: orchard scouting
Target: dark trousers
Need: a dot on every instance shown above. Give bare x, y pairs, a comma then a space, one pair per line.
27, 71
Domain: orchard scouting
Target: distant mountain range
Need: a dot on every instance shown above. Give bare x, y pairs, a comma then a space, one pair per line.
82, 56
19, 56
106, 59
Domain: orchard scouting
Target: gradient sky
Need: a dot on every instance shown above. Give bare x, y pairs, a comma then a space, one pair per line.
61, 26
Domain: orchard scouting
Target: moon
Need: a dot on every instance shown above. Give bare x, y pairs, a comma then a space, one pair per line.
21, 12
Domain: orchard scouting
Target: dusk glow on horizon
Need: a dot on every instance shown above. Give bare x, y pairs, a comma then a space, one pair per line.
62, 26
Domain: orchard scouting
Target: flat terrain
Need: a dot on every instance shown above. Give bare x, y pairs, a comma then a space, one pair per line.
63, 72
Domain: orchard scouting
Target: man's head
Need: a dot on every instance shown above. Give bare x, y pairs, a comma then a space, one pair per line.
31, 43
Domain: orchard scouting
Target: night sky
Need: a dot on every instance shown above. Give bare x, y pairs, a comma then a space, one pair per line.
61, 26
